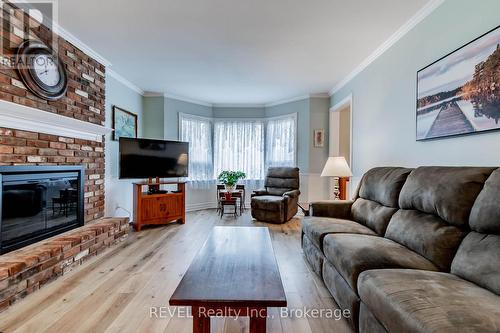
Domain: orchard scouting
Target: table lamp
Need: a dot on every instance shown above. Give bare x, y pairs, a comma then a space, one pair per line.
336, 166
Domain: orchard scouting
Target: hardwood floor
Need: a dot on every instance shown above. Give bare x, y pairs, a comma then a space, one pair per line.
115, 291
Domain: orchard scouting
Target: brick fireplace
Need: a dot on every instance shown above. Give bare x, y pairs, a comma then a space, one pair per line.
83, 101
35, 132
39, 202
31, 148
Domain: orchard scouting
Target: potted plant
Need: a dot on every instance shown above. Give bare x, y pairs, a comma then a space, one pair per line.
230, 179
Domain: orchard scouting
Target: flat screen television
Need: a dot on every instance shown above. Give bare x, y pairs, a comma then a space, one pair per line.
145, 158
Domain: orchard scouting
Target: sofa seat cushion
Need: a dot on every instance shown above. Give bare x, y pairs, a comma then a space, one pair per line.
353, 254
422, 301
316, 228
267, 202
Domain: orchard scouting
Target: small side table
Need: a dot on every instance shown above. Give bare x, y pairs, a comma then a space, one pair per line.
228, 202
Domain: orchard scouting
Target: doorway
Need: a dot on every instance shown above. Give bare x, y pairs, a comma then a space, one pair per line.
341, 134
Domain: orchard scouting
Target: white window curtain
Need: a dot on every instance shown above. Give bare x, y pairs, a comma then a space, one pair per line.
239, 145
281, 141
198, 132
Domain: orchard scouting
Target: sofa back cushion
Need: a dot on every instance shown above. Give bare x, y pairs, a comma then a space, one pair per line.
478, 260
485, 214
377, 198
426, 234
447, 192
478, 257
281, 179
383, 185
435, 206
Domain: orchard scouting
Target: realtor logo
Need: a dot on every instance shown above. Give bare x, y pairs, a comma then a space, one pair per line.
27, 20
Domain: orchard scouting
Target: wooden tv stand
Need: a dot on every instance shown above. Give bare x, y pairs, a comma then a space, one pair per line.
158, 208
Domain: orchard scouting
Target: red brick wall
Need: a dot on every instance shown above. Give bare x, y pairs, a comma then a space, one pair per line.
20, 147
84, 100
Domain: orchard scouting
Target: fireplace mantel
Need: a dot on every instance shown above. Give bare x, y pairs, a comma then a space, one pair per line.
26, 118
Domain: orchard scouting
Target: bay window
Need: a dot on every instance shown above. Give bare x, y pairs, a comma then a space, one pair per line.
248, 145
198, 132
281, 141
239, 145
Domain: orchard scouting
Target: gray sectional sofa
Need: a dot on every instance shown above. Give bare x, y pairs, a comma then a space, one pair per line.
417, 250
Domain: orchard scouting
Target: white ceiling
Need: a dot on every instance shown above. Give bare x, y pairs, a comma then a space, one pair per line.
235, 51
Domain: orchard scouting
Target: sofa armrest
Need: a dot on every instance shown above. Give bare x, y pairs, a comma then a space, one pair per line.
292, 194
340, 209
259, 192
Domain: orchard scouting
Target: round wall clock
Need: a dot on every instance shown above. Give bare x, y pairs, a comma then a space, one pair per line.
41, 70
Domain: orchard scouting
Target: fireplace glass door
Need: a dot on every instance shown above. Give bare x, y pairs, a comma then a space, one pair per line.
34, 205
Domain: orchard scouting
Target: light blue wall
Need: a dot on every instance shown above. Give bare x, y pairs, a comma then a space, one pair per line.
118, 192
153, 117
172, 109
384, 94
319, 119
239, 112
310, 111
303, 127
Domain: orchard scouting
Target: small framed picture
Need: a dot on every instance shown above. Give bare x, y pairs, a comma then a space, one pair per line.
124, 123
319, 138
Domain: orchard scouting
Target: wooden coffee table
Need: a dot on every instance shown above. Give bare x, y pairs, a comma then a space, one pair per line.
234, 273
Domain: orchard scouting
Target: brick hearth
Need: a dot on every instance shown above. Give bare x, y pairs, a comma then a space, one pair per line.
28, 269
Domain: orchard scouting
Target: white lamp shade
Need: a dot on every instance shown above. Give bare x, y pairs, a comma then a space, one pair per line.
336, 167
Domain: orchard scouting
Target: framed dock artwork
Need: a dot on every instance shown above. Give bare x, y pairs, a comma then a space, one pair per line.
460, 93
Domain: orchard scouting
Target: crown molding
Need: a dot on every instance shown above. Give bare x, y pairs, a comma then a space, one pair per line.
152, 94
59, 30
297, 98
320, 95
238, 105
26, 118
234, 105
288, 100
124, 81
186, 99
403, 30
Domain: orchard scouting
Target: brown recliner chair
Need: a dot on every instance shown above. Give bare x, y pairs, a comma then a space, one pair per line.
278, 202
